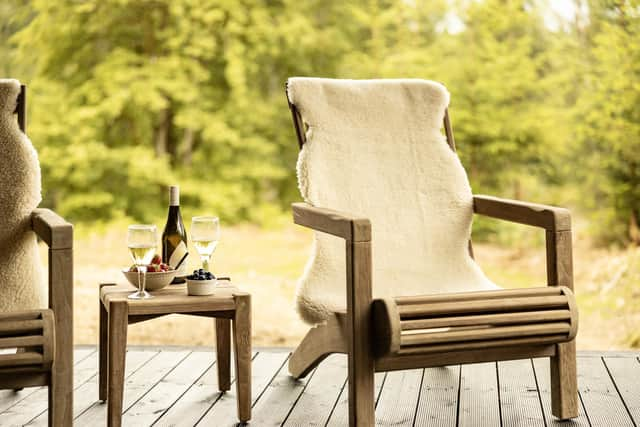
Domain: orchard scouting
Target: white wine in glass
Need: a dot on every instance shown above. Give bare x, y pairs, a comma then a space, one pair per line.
205, 234
141, 240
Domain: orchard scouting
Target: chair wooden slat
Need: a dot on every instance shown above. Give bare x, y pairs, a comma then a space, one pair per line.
24, 341
485, 333
20, 327
457, 346
479, 295
20, 359
479, 306
486, 319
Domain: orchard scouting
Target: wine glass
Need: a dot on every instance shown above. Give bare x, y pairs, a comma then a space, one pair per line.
205, 233
141, 240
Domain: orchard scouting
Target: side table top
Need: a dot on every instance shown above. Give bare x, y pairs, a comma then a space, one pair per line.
172, 299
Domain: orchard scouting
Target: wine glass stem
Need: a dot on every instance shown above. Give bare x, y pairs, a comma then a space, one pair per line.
141, 283
205, 262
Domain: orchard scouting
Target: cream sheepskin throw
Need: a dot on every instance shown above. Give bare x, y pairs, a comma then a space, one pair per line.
21, 282
374, 149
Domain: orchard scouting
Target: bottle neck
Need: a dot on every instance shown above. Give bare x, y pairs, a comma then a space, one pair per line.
174, 196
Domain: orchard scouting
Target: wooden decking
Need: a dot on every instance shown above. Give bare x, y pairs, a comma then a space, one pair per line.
178, 387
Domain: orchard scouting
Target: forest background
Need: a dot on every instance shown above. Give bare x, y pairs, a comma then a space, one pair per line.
129, 96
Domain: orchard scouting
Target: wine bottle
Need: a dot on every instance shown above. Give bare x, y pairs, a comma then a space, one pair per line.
174, 236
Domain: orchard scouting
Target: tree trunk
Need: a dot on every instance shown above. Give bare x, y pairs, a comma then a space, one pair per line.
634, 231
517, 189
187, 146
162, 132
171, 141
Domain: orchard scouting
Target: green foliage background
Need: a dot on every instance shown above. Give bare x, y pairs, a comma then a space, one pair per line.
129, 96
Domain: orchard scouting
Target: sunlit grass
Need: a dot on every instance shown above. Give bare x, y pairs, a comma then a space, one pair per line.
268, 262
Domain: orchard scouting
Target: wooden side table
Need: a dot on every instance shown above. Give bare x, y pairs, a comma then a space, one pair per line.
228, 305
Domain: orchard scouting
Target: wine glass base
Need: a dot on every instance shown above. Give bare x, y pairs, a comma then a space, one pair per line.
140, 295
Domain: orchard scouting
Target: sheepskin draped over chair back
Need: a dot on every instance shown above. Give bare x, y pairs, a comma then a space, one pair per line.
22, 284
374, 148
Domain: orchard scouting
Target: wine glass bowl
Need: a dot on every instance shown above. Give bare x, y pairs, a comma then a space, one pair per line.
205, 234
141, 241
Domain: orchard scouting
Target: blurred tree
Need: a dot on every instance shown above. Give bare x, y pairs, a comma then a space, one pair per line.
608, 119
128, 96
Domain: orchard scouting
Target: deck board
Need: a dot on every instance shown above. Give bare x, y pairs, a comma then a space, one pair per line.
479, 400
178, 387
399, 398
320, 396
438, 404
265, 367
543, 381
170, 389
602, 402
340, 415
625, 371
281, 395
136, 386
519, 397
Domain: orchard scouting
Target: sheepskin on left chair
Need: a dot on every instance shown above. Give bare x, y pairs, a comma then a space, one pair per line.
36, 343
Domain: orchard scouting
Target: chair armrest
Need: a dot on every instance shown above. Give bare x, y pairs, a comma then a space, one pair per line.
357, 234
52, 228
550, 218
556, 222
340, 224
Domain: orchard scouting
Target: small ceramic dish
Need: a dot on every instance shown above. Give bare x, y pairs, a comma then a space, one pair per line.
154, 281
201, 287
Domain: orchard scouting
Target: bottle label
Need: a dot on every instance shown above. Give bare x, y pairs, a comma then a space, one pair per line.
178, 256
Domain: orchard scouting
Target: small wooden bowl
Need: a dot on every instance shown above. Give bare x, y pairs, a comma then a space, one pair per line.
154, 282
201, 287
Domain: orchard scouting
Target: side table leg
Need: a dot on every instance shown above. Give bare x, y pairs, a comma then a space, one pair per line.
242, 350
223, 352
102, 349
117, 347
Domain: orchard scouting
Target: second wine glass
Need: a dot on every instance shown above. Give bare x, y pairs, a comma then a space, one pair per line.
205, 234
141, 240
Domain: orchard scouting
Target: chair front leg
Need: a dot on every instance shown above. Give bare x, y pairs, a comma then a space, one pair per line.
61, 302
361, 363
564, 379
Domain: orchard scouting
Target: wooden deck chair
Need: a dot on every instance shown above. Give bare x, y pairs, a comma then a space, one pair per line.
44, 338
392, 281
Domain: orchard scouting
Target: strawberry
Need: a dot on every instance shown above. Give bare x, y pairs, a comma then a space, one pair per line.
152, 268
157, 259
164, 267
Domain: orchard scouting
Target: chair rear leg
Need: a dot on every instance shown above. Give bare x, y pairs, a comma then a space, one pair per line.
564, 382
320, 342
